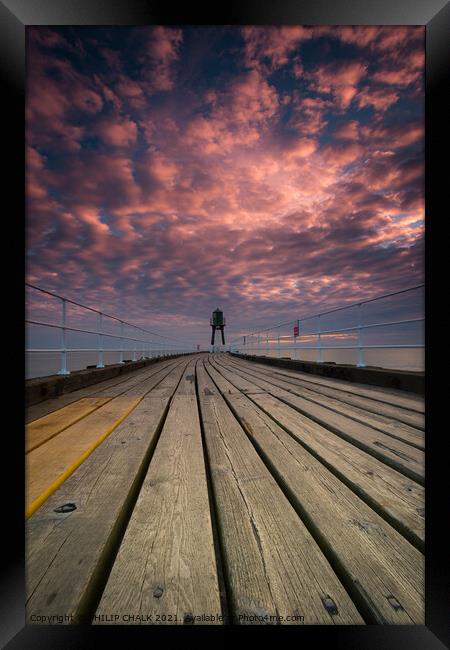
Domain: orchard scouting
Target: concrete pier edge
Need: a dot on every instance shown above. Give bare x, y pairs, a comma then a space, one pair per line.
41, 388
408, 381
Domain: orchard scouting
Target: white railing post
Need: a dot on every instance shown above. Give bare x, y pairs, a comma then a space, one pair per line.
279, 347
267, 343
360, 363
134, 345
295, 342
121, 342
100, 363
63, 370
319, 342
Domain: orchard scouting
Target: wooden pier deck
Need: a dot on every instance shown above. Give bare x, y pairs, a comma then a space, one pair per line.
207, 490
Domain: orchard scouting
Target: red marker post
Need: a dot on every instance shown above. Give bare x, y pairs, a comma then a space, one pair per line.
296, 329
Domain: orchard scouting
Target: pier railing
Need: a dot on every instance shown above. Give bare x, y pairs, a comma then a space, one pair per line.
101, 333
393, 321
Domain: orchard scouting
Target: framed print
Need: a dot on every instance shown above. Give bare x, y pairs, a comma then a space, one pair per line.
189, 180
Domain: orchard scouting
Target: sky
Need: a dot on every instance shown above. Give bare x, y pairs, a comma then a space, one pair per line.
271, 171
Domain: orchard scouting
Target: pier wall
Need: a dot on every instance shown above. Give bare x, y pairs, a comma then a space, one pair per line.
413, 382
42, 388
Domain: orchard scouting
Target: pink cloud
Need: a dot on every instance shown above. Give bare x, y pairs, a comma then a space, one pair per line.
131, 91
273, 43
348, 131
340, 80
342, 153
87, 100
397, 77
308, 114
301, 148
118, 133
238, 116
379, 99
162, 53
393, 137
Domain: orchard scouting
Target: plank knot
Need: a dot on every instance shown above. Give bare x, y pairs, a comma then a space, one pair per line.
330, 605
66, 507
393, 602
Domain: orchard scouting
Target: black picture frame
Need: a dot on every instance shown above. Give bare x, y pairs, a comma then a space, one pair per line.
15, 15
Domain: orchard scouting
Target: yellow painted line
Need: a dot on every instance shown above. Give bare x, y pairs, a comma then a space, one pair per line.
36, 429
65, 475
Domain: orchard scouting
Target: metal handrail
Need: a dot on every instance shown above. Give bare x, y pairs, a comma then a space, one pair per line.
150, 347
330, 311
247, 341
96, 311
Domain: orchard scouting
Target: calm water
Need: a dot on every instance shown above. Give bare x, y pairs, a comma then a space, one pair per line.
48, 363
42, 364
402, 359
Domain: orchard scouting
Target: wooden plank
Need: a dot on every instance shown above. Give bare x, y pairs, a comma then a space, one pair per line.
166, 566
382, 571
67, 555
134, 384
399, 455
50, 425
50, 462
396, 429
399, 499
45, 464
42, 409
398, 416
275, 570
390, 396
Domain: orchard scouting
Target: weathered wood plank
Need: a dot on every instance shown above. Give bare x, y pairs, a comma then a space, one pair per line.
385, 395
398, 416
50, 425
49, 463
166, 566
67, 554
394, 428
399, 499
410, 461
274, 567
382, 570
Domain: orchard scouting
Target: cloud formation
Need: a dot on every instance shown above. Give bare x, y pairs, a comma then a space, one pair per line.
273, 171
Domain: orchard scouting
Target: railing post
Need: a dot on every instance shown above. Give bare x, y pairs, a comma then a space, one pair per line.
279, 347
360, 363
63, 370
121, 342
295, 342
134, 345
319, 342
267, 343
100, 363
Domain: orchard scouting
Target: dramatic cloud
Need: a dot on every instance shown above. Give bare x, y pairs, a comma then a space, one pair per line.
269, 170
